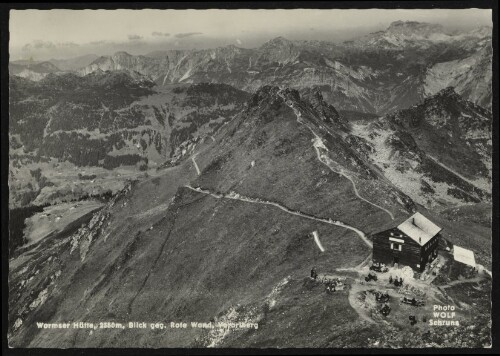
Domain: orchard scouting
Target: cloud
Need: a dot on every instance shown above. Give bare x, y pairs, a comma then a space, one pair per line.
47, 45
238, 41
160, 34
68, 44
134, 37
188, 34
41, 44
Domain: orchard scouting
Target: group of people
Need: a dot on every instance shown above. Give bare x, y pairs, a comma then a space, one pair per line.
397, 282
382, 297
379, 267
371, 276
412, 301
331, 285
385, 310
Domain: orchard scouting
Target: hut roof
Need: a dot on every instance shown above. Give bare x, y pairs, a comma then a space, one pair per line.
419, 228
463, 255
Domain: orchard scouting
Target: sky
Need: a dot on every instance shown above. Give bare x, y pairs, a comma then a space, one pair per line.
45, 34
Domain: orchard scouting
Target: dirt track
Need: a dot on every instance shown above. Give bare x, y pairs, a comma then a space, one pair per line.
195, 164
318, 143
360, 233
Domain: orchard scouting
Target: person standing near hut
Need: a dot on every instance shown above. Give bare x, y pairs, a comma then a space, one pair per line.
314, 274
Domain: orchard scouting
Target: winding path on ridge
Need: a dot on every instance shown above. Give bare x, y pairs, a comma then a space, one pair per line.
234, 196
353, 293
195, 164
318, 143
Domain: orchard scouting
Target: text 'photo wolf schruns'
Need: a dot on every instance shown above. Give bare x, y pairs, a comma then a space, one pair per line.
250, 178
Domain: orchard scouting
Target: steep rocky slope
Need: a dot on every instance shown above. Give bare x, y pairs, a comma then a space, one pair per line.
74, 63
213, 270
438, 151
455, 131
471, 77
32, 70
217, 202
227, 235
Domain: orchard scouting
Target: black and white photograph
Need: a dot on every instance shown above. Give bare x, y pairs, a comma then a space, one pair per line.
249, 178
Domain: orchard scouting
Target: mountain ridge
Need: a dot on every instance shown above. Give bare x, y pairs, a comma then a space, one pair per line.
377, 73
227, 235
330, 66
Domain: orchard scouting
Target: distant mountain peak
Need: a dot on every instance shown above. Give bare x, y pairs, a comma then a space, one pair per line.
447, 98
122, 54
413, 25
409, 28
47, 66
444, 99
481, 32
270, 100
263, 93
446, 103
278, 41
401, 34
449, 92
400, 23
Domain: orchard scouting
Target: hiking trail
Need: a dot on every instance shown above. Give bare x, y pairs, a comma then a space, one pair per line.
318, 143
195, 164
235, 196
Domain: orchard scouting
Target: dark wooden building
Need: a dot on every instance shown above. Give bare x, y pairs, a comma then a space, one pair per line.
413, 243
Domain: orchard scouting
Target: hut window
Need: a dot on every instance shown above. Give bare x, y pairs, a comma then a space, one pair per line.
396, 246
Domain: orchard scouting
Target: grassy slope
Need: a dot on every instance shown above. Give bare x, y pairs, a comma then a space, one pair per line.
208, 263
204, 255
287, 171
306, 315
465, 233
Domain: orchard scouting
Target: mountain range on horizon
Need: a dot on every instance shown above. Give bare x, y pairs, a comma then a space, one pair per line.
376, 73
